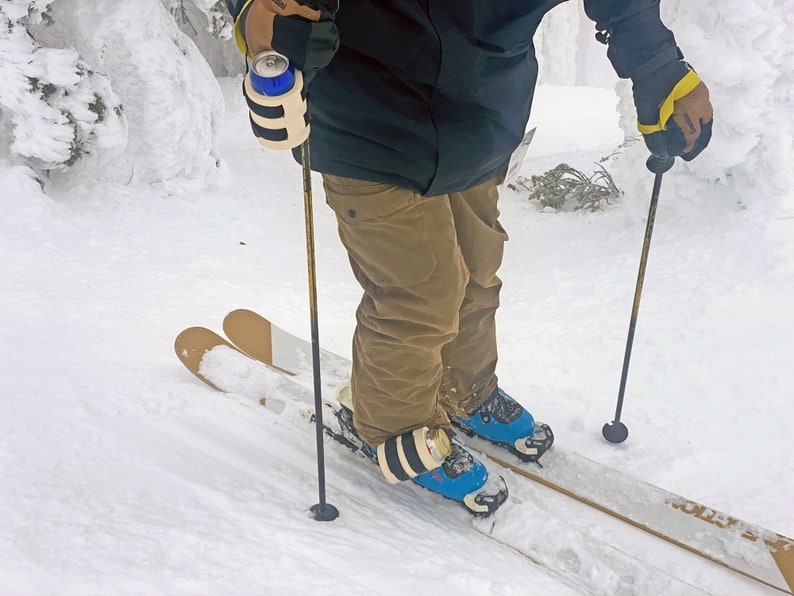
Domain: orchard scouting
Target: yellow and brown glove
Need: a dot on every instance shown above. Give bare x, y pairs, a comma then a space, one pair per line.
674, 113
303, 31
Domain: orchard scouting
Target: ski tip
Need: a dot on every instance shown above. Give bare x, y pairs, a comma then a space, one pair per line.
191, 345
250, 332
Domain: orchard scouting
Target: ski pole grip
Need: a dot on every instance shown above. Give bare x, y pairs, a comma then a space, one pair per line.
659, 164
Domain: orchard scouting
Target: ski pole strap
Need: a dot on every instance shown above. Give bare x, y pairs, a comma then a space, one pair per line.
682, 88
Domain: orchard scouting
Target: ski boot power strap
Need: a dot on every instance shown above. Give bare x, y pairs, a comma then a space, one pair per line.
413, 453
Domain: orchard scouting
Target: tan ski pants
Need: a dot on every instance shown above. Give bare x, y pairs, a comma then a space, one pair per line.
425, 342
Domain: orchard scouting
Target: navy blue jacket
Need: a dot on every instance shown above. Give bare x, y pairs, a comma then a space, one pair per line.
434, 95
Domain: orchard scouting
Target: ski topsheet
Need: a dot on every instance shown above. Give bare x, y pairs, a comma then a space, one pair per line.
759, 554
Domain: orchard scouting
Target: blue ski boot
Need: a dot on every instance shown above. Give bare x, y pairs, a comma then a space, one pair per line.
503, 421
430, 459
464, 479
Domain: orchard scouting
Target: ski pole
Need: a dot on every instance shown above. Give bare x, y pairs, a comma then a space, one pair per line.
615, 431
322, 511
273, 86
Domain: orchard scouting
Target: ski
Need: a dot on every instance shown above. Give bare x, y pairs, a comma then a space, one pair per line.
222, 366
759, 554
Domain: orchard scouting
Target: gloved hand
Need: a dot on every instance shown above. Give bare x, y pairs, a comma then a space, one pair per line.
303, 31
674, 113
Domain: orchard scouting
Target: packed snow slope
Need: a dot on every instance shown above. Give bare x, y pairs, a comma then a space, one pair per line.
121, 472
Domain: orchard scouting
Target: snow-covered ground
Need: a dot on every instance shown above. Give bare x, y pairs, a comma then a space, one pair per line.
121, 473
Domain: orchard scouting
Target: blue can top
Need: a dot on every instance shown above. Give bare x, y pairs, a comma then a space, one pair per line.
271, 74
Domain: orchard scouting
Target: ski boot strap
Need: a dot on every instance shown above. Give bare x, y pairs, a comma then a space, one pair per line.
413, 453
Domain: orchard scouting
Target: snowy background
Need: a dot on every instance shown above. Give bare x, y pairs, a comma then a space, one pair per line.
134, 202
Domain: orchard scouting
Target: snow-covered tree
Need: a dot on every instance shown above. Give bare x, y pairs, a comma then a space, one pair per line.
567, 51
113, 87
744, 53
55, 108
208, 24
744, 56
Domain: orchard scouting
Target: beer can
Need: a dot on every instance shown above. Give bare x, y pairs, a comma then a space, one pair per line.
271, 74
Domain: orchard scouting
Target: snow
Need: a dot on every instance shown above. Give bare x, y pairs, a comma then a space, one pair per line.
122, 473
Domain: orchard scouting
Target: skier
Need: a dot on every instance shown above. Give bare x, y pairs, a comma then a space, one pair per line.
416, 107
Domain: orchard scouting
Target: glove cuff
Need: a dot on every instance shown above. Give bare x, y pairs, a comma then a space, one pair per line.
239, 29
685, 85
651, 89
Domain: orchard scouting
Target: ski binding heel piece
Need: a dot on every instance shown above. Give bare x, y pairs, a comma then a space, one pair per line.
346, 433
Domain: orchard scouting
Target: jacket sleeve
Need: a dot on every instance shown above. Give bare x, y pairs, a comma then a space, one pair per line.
638, 41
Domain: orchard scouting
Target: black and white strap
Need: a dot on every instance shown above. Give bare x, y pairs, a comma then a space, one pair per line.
413, 453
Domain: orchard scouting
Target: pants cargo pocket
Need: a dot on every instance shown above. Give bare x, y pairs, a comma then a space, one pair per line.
384, 229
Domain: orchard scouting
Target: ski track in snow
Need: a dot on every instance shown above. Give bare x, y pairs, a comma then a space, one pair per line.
123, 474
